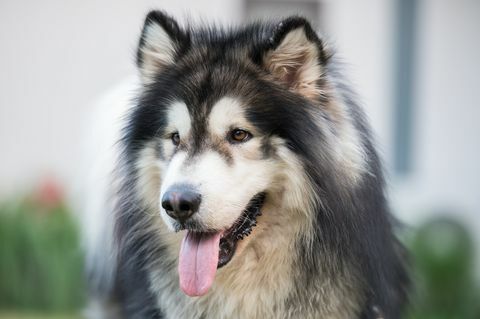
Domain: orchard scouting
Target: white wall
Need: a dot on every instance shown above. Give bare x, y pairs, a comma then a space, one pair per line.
361, 32
55, 58
446, 173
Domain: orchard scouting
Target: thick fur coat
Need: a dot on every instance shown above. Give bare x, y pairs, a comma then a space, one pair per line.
261, 109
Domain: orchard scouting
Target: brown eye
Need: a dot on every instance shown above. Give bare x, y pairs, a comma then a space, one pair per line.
175, 138
239, 135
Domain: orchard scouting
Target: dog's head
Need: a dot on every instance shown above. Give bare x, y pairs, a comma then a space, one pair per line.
225, 122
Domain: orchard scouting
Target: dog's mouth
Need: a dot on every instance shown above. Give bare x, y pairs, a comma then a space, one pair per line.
240, 229
201, 253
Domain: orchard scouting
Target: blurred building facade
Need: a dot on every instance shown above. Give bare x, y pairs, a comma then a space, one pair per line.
413, 63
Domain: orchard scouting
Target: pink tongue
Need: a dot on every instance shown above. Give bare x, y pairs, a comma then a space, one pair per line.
198, 262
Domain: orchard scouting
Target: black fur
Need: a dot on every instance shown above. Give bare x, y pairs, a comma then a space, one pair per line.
353, 224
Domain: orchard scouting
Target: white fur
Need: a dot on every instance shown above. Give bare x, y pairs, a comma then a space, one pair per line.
149, 177
178, 119
227, 114
346, 144
350, 150
97, 186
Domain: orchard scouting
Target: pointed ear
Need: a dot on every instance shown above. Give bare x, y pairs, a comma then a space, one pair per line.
295, 57
159, 44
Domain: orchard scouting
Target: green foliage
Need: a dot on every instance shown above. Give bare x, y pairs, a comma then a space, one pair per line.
443, 262
41, 266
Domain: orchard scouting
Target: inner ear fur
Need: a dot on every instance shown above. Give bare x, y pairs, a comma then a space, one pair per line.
296, 57
160, 41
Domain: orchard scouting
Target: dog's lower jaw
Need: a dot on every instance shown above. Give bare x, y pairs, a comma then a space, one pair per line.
261, 280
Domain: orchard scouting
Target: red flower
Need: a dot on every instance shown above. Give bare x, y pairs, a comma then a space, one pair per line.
50, 193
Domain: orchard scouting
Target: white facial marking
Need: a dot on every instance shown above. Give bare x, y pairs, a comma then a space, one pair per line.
226, 190
225, 115
178, 118
226, 187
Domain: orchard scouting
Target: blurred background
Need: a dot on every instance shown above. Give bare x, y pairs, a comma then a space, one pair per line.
415, 65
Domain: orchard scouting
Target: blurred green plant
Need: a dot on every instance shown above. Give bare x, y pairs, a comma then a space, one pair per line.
41, 265
443, 272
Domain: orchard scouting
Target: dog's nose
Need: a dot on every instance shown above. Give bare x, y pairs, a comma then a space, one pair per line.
181, 202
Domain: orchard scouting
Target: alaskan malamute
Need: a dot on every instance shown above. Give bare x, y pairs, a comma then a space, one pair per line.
245, 184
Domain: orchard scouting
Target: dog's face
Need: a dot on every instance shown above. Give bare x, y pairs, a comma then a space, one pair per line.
216, 155
227, 117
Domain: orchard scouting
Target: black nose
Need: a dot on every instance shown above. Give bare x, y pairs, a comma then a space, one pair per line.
181, 202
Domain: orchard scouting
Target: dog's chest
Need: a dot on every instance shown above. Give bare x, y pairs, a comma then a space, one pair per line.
247, 289
263, 283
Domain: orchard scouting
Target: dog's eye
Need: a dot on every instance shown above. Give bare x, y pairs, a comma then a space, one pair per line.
238, 135
175, 138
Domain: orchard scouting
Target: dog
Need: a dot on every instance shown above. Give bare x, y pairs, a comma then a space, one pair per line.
238, 178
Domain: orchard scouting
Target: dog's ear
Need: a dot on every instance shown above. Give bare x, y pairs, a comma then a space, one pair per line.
295, 57
160, 42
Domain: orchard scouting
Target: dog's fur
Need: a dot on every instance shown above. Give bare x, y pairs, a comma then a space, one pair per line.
323, 246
